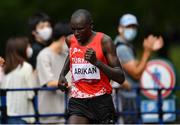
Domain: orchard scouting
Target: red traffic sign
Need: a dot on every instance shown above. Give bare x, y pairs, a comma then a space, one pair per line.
157, 74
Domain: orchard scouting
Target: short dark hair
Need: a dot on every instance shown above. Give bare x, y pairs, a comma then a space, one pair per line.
37, 18
83, 12
61, 29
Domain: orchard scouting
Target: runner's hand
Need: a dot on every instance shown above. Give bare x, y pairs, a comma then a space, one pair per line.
90, 55
63, 84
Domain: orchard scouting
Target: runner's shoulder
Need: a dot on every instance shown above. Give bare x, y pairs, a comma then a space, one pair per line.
106, 38
68, 38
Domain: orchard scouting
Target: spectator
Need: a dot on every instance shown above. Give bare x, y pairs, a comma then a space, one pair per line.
18, 74
133, 67
1, 61
1, 71
49, 65
40, 27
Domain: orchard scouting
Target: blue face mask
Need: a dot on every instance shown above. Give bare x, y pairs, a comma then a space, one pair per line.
130, 33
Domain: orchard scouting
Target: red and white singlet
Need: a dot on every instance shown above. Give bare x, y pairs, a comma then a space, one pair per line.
87, 80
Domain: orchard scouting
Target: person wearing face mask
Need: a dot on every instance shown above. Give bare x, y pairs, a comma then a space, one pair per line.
18, 73
40, 27
49, 65
127, 29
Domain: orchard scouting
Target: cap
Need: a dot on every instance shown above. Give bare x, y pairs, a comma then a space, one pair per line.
128, 19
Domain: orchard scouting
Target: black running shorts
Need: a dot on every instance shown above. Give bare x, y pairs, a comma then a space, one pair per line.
98, 110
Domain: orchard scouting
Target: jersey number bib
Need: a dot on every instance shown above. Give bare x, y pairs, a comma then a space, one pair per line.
85, 71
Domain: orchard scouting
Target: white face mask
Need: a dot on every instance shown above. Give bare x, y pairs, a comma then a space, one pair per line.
45, 33
29, 52
130, 33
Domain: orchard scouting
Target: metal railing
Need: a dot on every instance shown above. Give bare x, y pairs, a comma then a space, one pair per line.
37, 115
139, 98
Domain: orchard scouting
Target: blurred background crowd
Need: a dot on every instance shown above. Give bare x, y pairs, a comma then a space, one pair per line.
159, 17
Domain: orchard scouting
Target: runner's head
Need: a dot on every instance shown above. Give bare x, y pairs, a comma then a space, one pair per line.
82, 24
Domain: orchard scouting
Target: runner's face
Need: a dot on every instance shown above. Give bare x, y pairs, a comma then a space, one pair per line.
81, 29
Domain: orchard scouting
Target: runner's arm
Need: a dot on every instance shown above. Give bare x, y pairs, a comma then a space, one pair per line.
65, 68
114, 69
62, 80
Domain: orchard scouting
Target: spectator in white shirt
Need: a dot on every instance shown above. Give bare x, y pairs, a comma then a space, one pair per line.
18, 74
49, 65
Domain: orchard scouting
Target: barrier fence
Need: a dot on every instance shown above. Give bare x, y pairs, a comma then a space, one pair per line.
4, 116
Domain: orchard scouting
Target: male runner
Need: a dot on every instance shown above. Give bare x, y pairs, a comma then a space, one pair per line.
93, 62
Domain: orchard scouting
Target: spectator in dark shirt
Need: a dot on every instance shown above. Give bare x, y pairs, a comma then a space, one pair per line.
40, 27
